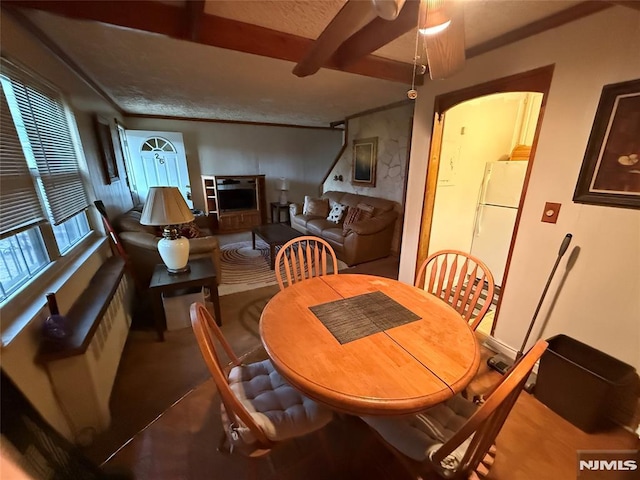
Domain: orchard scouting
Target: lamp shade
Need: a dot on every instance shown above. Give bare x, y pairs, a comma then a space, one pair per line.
165, 206
283, 184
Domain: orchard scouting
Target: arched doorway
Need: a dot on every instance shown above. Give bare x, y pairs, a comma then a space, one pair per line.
538, 80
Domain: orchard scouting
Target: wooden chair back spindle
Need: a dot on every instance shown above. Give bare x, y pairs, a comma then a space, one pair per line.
303, 258
487, 421
207, 333
453, 459
459, 279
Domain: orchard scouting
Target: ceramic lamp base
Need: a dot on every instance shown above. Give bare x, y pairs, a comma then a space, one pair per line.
174, 254
185, 269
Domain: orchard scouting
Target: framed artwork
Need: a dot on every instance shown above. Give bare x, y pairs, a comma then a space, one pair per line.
610, 173
365, 158
107, 152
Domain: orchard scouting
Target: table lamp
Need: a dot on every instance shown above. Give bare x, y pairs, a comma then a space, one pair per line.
284, 186
165, 207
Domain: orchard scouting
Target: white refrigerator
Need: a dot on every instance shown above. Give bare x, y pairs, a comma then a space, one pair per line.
496, 214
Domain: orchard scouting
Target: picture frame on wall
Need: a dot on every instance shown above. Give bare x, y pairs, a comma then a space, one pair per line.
108, 161
365, 158
610, 172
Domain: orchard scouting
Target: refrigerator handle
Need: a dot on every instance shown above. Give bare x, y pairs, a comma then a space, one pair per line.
485, 182
477, 228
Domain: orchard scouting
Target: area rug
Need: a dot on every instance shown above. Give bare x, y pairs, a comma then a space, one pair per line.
244, 268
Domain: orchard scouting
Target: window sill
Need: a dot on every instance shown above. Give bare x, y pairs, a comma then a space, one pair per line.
20, 312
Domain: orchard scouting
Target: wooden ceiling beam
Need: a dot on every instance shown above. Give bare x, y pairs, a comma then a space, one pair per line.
627, 3
377, 34
194, 10
568, 15
212, 30
351, 18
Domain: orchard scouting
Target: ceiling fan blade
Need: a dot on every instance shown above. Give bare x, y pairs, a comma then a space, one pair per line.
388, 9
446, 50
354, 15
377, 34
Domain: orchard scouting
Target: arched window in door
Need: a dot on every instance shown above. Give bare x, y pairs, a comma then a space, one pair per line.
157, 145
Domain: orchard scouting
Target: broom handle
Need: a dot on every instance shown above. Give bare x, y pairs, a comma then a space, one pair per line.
563, 249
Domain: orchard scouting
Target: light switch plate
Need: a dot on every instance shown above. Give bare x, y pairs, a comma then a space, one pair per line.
551, 212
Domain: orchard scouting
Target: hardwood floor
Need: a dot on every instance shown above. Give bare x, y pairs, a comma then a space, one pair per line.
535, 444
168, 382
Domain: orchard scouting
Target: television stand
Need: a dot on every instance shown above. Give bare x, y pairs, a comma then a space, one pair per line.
235, 202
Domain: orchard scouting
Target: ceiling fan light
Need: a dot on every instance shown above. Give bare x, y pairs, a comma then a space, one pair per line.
435, 16
435, 29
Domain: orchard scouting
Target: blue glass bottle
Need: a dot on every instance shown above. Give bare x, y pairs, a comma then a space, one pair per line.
56, 327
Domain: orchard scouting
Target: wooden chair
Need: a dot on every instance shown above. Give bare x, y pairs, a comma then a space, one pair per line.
259, 409
456, 439
303, 258
460, 280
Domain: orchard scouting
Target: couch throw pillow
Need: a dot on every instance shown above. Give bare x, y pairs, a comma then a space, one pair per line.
367, 209
318, 207
190, 230
356, 214
336, 213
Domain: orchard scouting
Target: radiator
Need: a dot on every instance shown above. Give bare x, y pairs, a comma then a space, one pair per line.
83, 383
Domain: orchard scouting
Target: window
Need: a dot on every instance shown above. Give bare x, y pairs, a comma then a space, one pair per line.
42, 196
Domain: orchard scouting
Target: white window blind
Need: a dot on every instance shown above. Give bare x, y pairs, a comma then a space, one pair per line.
47, 128
19, 203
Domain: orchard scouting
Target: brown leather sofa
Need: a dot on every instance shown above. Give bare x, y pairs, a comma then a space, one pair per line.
364, 240
140, 243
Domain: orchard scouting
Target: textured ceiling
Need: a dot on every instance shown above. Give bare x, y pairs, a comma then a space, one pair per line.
156, 75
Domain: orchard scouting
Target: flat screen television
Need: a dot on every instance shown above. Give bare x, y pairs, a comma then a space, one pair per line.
237, 199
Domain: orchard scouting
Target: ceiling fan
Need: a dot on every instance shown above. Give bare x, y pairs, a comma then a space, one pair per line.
361, 27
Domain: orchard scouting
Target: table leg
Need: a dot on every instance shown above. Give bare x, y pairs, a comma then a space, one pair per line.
253, 238
158, 317
215, 299
272, 255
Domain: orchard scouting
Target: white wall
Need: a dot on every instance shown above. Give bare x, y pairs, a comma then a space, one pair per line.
18, 356
301, 155
599, 302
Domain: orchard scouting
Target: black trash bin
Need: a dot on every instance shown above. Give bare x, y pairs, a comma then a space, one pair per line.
584, 385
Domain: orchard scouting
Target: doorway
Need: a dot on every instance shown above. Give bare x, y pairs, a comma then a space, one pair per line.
509, 112
157, 159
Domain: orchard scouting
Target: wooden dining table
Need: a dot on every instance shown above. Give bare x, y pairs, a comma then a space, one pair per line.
372, 367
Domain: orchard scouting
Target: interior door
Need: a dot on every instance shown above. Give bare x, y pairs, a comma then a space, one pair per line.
158, 159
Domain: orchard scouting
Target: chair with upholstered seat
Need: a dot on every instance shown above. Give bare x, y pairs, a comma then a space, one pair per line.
303, 258
259, 409
461, 280
456, 439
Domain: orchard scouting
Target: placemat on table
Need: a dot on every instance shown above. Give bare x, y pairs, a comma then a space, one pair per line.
357, 317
